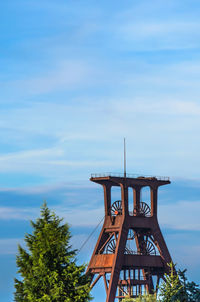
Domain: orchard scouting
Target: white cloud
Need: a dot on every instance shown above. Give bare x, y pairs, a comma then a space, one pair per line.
157, 25
46, 188
80, 215
164, 107
156, 107
67, 75
97, 134
9, 246
43, 161
23, 155
10, 213
158, 28
182, 215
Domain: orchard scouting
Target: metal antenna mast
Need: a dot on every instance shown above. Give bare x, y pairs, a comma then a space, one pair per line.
124, 157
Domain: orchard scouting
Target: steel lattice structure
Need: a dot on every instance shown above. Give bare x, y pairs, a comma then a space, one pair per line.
130, 250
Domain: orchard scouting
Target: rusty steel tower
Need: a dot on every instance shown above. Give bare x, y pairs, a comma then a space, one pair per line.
131, 254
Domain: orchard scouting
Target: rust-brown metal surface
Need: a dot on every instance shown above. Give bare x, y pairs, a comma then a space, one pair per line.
130, 249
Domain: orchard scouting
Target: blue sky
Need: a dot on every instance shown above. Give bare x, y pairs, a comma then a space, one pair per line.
75, 78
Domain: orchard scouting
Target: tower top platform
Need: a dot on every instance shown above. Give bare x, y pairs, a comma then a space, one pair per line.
115, 179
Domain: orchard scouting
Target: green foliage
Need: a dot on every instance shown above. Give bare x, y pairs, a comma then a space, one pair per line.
144, 298
128, 300
47, 267
177, 288
171, 289
191, 291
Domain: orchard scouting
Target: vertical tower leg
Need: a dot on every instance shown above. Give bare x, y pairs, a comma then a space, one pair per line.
161, 245
117, 264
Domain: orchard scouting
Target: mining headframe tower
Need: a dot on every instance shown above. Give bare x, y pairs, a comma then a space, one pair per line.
130, 254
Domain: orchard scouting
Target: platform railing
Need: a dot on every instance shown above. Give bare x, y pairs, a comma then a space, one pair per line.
128, 175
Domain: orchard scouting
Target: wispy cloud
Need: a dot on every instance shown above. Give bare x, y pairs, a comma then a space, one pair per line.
165, 106
79, 216
165, 34
94, 127
9, 246
9, 213
183, 215
155, 25
67, 75
178, 216
44, 161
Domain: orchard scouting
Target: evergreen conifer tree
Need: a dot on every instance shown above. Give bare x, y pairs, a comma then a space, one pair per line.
191, 291
47, 266
171, 289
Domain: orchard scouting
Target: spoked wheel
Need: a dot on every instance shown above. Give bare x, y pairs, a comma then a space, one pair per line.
116, 208
144, 209
128, 251
110, 247
147, 248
